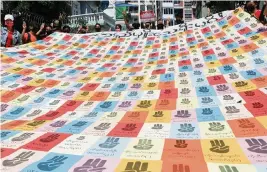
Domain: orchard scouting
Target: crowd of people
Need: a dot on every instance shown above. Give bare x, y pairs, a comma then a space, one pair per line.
11, 37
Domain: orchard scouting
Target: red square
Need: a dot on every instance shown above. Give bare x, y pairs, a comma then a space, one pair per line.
218, 79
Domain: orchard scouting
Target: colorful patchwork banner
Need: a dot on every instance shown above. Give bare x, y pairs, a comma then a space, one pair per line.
142, 101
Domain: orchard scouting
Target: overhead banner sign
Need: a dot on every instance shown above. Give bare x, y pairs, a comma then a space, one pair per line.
147, 16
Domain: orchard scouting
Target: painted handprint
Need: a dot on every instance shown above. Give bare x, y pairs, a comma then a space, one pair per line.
227, 168
58, 124
231, 109
144, 104
216, 126
227, 97
245, 123
180, 144
185, 91
180, 168
182, 114
158, 114
52, 163
102, 126
110, 143
222, 87
206, 100
136, 167
50, 138
186, 128
23, 157
80, 124
92, 165
106, 105
36, 123
218, 146
34, 113
157, 126
129, 127
144, 144
125, 104
257, 145
22, 137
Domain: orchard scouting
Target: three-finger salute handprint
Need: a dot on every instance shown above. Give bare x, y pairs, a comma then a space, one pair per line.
144, 144
52, 164
136, 167
219, 146
257, 145
23, 157
92, 165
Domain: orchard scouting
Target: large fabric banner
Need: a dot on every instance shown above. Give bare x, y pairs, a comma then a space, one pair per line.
143, 101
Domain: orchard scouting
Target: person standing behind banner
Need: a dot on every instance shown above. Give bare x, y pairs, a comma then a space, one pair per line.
29, 36
9, 36
263, 15
97, 27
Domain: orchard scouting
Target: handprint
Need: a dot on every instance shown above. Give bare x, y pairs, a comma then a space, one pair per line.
125, 104
182, 114
102, 126
222, 87
185, 91
111, 142
180, 144
106, 105
92, 165
185, 101
23, 157
144, 104
17, 111
257, 145
52, 164
144, 144
257, 105
80, 124
186, 128
232, 109
58, 124
22, 137
233, 76
227, 97
227, 168
157, 126
36, 123
245, 123
203, 89
241, 84
182, 168
136, 167
50, 138
129, 127
158, 114
216, 126
112, 114
34, 113
206, 100
218, 146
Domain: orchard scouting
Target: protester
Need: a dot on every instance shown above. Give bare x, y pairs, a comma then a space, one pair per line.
29, 36
57, 26
66, 29
44, 31
263, 15
118, 28
9, 36
136, 24
147, 25
82, 30
178, 20
97, 27
160, 25
251, 8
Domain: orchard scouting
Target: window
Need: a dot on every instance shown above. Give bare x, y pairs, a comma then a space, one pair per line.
168, 11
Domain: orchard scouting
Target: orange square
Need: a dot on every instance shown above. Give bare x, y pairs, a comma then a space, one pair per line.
249, 47
9, 95
260, 82
12, 124
107, 74
227, 61
234, 20
134, 116
166, 85
165, 104
100, 96
247, 127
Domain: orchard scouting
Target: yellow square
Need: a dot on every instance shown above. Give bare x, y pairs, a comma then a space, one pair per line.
213, 64
236, 52
31, 125
241, 86
150, 86
147, 165
145, 105
83, 96
159, 116
223, 151
262, 120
